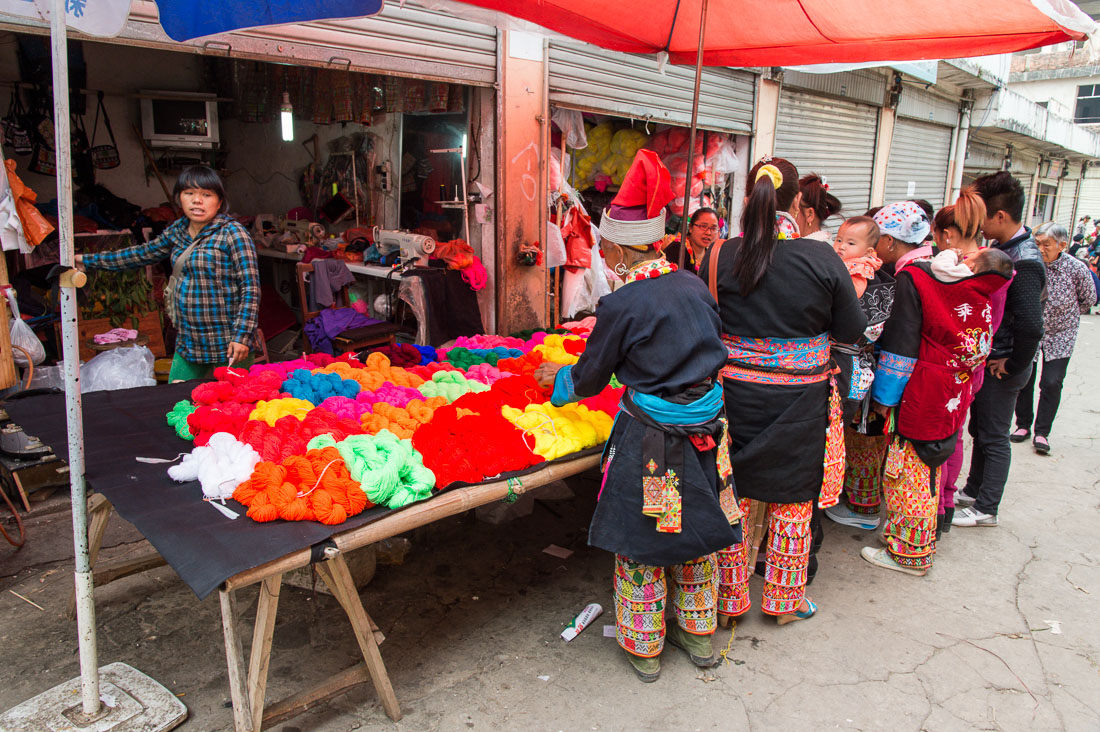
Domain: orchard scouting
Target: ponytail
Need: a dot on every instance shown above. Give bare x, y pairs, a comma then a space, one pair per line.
969, 212
966, 215
767, 194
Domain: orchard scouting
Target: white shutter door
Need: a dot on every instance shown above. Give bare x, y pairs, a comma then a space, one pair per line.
833, 138
919, 154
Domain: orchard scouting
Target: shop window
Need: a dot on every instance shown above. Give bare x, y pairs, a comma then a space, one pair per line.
1088, 105
1044, 203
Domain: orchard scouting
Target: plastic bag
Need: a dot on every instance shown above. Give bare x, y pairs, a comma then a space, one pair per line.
119, 368
583, 288
571, 124
48, 377
555, 246
23, 336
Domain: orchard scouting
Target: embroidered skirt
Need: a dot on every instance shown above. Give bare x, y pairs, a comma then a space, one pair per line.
619, 524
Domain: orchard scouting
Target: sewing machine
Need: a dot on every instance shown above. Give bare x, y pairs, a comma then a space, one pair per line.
413, 248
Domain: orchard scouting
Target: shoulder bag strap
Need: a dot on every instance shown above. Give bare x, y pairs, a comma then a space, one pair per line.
177, 268
712, 268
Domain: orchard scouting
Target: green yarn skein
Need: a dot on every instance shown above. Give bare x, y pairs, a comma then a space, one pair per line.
389, 469
450, 385
177, 419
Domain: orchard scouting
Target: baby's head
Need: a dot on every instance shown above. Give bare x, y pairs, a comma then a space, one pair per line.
990, 260
856, 237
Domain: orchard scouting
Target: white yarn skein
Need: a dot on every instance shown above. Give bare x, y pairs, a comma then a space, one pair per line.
220, 465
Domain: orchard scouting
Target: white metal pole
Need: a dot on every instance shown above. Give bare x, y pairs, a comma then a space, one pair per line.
85, 607
960, 152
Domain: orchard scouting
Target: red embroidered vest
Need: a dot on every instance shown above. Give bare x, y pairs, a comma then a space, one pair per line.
956, 325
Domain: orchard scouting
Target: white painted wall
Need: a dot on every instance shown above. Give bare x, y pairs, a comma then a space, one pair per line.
1061, 92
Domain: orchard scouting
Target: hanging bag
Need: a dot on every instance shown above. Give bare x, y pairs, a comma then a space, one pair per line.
15, 126
104, 157
43, 159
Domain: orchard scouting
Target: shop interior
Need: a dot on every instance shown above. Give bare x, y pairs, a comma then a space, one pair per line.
590, 154
371, 170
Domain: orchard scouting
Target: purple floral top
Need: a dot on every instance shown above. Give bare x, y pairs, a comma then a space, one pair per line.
1070, 292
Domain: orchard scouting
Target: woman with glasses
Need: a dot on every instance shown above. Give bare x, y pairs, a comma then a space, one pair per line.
702, 232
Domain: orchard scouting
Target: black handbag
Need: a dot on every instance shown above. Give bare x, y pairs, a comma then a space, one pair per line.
15, 129
104, 157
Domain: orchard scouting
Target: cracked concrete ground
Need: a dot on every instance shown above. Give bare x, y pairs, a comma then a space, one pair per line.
472, 621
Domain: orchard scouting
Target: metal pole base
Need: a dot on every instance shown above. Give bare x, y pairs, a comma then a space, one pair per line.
132, 702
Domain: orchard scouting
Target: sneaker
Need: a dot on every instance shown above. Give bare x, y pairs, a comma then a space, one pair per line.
882, 558
1021, 434
964, 499
971, 516
1041, 444
841, 514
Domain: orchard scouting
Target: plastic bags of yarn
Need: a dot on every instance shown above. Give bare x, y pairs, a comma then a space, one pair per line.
119, 368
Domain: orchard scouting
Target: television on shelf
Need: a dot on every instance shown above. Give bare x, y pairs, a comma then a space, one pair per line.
182, 120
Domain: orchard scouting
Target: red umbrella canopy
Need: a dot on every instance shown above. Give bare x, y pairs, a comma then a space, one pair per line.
794, 32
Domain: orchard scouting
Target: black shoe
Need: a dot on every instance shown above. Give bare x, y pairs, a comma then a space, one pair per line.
1041, 444
948, 514
1020, 434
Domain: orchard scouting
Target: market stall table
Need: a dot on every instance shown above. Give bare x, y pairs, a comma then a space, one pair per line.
211, 551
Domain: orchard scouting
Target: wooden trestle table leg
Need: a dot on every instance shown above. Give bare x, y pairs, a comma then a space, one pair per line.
337, 576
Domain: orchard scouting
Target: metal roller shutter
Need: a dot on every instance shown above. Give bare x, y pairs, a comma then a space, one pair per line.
405, 39
919, 154
1088, 199
1063, 209
832, 137
585, 77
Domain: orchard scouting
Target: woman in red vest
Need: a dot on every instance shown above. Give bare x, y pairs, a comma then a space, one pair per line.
938, 334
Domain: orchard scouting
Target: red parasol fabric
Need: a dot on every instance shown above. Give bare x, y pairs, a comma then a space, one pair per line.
795, 32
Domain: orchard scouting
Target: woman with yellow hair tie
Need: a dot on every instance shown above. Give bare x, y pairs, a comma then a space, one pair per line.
781, 298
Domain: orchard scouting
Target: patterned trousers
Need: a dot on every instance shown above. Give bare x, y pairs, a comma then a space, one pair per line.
640, 592
786, 558
912, 500
863, 474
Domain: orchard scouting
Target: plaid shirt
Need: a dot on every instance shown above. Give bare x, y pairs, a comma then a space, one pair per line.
219, 291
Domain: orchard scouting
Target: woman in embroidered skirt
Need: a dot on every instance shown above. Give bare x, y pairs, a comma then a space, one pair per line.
781, 298
663, 509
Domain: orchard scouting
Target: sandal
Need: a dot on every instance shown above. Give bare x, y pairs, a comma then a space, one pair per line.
798, 614
1041, 444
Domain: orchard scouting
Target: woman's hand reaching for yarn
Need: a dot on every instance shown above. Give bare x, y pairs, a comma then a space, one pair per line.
546, 373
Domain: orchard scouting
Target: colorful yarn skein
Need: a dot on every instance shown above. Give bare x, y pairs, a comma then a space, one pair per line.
219, 466
389, 470
271, 411
560, 431
402, 421
177, 419
450, 385
311, 487
469, 448
317, 387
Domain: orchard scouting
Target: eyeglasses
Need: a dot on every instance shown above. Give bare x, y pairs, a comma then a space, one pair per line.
711, 229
